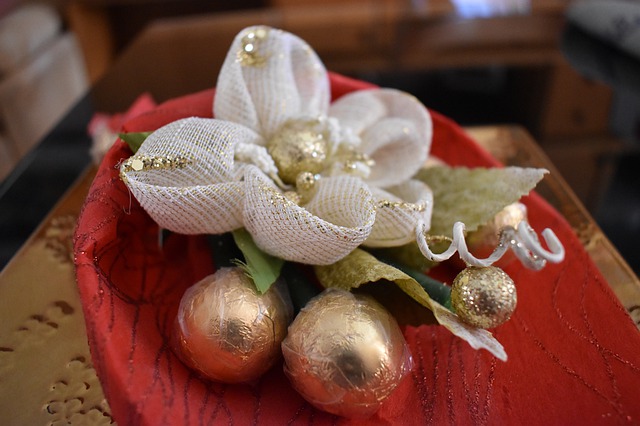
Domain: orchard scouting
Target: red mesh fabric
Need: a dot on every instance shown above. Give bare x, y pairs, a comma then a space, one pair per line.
573, 350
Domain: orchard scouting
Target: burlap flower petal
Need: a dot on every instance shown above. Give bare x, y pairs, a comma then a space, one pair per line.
206, 145
198, 209
268, 77
185, 177
358, 110
395, 129
399, 209
335, 222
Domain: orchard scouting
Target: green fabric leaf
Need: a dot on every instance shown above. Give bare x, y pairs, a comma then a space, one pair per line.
478, 338
134, 139
300, 285
436, 290
261, 267
408, 254
360, 268
474, 196
224, 250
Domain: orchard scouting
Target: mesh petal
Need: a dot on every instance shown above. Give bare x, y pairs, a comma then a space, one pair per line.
200, 209
190, 183
358, 110
338, 219
399, 209
286, 79
395, 129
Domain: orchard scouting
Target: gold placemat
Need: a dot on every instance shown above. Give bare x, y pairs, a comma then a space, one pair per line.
46, 375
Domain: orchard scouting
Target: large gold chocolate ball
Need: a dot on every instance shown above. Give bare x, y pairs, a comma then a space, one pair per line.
227, 331
483, 297
345, 353
299, 146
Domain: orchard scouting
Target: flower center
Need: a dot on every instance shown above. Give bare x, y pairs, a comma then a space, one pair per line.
300, 146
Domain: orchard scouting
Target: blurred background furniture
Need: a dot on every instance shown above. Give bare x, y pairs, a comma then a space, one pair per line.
499, 58
42, 73
602, 42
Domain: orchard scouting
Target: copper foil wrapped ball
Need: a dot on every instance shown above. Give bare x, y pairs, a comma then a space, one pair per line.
227, 331
483, 297
345, 353
483, 241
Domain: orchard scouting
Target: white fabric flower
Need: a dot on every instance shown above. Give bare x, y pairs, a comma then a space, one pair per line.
246, 168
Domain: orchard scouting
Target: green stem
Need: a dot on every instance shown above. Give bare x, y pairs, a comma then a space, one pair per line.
437, 290
224, 250
301, 288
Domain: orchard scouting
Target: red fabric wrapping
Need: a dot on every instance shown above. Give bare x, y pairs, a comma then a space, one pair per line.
573, 351
114, 122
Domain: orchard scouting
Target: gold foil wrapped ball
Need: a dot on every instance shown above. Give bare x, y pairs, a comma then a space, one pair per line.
483, 297
511, 215
483, 241
345, 354
227, 331
489, 234
299, 146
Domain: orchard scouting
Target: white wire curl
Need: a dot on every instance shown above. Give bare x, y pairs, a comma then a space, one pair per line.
523, 241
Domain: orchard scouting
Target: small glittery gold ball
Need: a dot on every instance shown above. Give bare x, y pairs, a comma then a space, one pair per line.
305, 181
305, 186
299, 146
483, 297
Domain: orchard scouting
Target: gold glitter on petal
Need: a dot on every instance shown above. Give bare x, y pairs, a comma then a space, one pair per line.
401, 205
293, 196
309, 222
143, 162
249, 54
